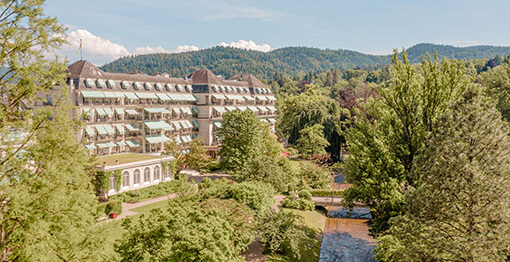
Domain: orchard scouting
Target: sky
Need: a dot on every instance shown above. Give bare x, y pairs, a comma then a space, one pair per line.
110, 29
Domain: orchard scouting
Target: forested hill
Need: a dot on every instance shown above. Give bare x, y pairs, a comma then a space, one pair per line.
289, 60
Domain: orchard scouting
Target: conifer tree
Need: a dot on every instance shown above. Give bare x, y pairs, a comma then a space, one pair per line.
459, 209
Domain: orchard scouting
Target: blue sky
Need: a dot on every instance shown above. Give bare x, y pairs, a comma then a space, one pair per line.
113, 28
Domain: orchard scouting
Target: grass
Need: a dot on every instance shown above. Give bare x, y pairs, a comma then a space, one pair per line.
313, 219
147, 208
124, 158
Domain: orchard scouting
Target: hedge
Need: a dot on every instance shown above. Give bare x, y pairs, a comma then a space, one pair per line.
106, 208
325, 193
161, 189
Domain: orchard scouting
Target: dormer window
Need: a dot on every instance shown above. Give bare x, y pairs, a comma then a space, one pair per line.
125, 85
111, 84
89, 83
221, 88
147, 86
137, 85
100, 83
215, 88
189, 88
169, 87
158, 86
178, 88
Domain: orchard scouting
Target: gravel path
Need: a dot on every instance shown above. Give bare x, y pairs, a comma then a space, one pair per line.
128, 207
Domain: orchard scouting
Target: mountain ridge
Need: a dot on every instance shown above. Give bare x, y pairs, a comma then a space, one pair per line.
227, 61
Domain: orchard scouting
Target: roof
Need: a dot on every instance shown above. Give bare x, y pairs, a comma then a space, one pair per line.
205, 76
250, 79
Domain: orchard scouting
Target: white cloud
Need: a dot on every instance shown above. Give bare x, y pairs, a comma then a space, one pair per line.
95, 45
159, 49
249, 45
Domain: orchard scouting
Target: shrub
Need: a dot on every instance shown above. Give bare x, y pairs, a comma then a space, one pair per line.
305, 194
298, 203
315, 176
106, 208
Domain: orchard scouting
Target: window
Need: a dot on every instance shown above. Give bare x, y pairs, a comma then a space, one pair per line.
158, 87
124, 85
189, 88
137, 85
147, 86
100, 83
125, 178
169, 87
111, 84
137, 177
146, 174
156, 173
89, 83
113, 183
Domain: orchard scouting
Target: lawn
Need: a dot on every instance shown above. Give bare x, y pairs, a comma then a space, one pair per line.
313, 219
124, 158
147, 208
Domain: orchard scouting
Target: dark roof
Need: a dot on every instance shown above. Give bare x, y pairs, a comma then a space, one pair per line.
205, 76
250, 79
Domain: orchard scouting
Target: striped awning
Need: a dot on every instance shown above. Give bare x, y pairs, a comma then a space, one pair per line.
131, 112
155, 139
120, 128
132, 127
218, 96
132, 143
119, 111
219, 109
90, 131
249, 98
92, 94
186, 110
154, 110
146, 95
163, 97
130, 95
158, 125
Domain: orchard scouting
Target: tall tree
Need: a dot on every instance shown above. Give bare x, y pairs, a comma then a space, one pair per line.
197, 157
460, 209
44, 188
312, 141
388, 133
497, 81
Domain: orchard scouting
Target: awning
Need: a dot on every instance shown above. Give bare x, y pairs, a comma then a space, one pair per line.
249, 98
235, 97
101, 130
271, 98
108, 111
119, 111
146, 95
100, 112
271, 108
158, 125
188, 97
262, 108
186, 124
217, 124
219, 109
184, 139
91, 146
218, 96
195, 109
230, 108
253, 108
109, 95
130, 95
132, 143
120, 128
88, 111
92, 94
154, 110
176, 110
195, 123
186, 110
109, 129
131, 112
163, 97
102, 145
90, 131
132, 127
155, 139
261, 98
177, 125
242, 108
119, 94
121, 143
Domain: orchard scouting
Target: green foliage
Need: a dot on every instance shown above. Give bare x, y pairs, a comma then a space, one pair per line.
197, 158
387, 135
465, 167
326, 193
118, 178
180, 232
497, 81
308, 109
311, 141
100, 181
288, 61
297, 202
106, 208
314, 176
285, 233
174, 149
47, 201
238, 215
161, 189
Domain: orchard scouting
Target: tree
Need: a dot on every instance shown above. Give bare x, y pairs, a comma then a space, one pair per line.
314, 176
172, 148
497, 81
307, 109
387, 133
197, 157
460, 209
311, 141
180, 232
44, 187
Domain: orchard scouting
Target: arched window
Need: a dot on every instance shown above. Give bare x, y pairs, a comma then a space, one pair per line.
156, 172
113, 183
125, 178
146, 174
137, 176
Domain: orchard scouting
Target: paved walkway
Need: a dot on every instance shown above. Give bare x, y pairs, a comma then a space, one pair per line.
127, 207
